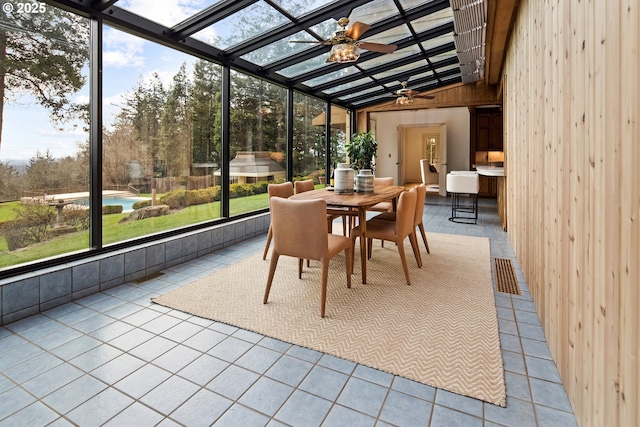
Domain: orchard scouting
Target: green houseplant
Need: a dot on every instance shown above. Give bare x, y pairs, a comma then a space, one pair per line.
361, 150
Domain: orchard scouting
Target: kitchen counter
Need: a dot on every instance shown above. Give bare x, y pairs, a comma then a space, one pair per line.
497, 172
490, 170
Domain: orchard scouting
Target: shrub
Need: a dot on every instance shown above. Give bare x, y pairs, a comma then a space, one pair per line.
240, 190
141, 204
31, 226
175, 199
78, 218
111, 209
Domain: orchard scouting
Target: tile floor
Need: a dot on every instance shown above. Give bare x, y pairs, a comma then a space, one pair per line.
116, 359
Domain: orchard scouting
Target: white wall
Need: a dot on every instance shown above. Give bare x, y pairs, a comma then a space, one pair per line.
458, 136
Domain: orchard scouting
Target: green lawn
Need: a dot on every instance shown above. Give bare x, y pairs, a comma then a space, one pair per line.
114, 231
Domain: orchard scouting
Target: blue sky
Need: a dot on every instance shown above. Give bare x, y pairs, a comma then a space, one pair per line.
126, 60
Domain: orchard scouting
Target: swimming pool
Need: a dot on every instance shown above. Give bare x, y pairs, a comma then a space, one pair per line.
126, 202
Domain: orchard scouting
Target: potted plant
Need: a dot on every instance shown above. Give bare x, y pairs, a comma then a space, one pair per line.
361, 150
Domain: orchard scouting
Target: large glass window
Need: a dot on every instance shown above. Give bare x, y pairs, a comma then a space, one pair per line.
44, 161
340, 132
309, 122
161, 138
258, 141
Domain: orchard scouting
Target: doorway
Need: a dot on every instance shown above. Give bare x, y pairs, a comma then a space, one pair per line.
418, 142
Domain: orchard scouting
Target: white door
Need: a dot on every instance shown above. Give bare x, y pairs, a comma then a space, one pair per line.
442, 161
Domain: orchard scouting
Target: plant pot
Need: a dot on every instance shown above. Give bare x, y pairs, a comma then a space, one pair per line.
364, 181
343, 177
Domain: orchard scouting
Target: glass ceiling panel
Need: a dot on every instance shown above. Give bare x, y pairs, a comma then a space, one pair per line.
443, 56
434, 20
305, 66
373, 12
404, 70
357, 94
170, 14
447, 68
389, 36
379, 98
395, 85
297, 8
347, 85
335, 75
410, 4
249, 22
390, 57
280, 49
438, 41
326, 28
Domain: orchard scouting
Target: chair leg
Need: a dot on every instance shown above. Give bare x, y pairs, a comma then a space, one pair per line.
416, 250
300, 264
323, 288
272, 270
403, 258
344, 225
266, 248
348, 254
369, 248
424, 237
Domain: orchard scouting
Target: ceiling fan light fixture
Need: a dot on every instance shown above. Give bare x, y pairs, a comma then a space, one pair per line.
404, 100
344, 52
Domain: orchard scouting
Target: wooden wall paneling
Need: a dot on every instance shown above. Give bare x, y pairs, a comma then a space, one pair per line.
571, 138
550, 161
596, 116
570, 376
628, 164
579, 210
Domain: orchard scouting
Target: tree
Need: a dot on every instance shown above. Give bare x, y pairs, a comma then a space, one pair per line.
43, 54
206, 112
41, 172
10, 183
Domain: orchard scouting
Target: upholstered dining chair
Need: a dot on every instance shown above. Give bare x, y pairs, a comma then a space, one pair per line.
382, 206
284, 190
394, 231
307, 185
421, 193
300, 230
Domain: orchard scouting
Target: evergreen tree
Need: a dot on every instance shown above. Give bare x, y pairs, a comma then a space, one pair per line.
42, 54
206, 112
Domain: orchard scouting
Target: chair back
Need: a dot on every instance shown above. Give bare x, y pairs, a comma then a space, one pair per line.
300, 228
406, 212
304, 185
284, 190
384, 180
421, 193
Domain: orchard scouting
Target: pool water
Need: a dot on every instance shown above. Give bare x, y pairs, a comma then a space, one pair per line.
126, 202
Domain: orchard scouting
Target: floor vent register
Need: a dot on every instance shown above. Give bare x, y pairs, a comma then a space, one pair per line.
506, 280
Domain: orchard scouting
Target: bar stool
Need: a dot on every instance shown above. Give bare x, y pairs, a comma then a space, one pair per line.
459, 183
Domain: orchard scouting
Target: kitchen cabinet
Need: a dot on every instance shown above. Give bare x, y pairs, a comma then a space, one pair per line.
489, 131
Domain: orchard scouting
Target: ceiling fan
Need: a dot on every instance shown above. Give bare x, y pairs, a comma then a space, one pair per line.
405, 96
344, 43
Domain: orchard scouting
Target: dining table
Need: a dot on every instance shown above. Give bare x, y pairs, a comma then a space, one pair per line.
356, 204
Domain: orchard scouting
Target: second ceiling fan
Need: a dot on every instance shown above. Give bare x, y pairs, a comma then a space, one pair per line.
344, 43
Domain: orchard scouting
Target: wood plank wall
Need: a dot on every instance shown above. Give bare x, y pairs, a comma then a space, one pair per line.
572, 151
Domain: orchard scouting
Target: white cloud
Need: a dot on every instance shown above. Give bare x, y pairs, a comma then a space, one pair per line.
165, 12
122, 49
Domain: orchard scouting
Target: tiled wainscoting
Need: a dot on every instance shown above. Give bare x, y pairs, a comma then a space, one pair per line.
27, 294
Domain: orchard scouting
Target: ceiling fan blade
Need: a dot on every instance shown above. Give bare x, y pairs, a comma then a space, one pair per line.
425, 96
357, 30
378, 47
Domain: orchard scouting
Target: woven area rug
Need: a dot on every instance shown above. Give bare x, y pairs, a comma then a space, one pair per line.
441, 331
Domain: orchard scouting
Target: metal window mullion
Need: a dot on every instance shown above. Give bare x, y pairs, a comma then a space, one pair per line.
95, 133
226, 140
289, 121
